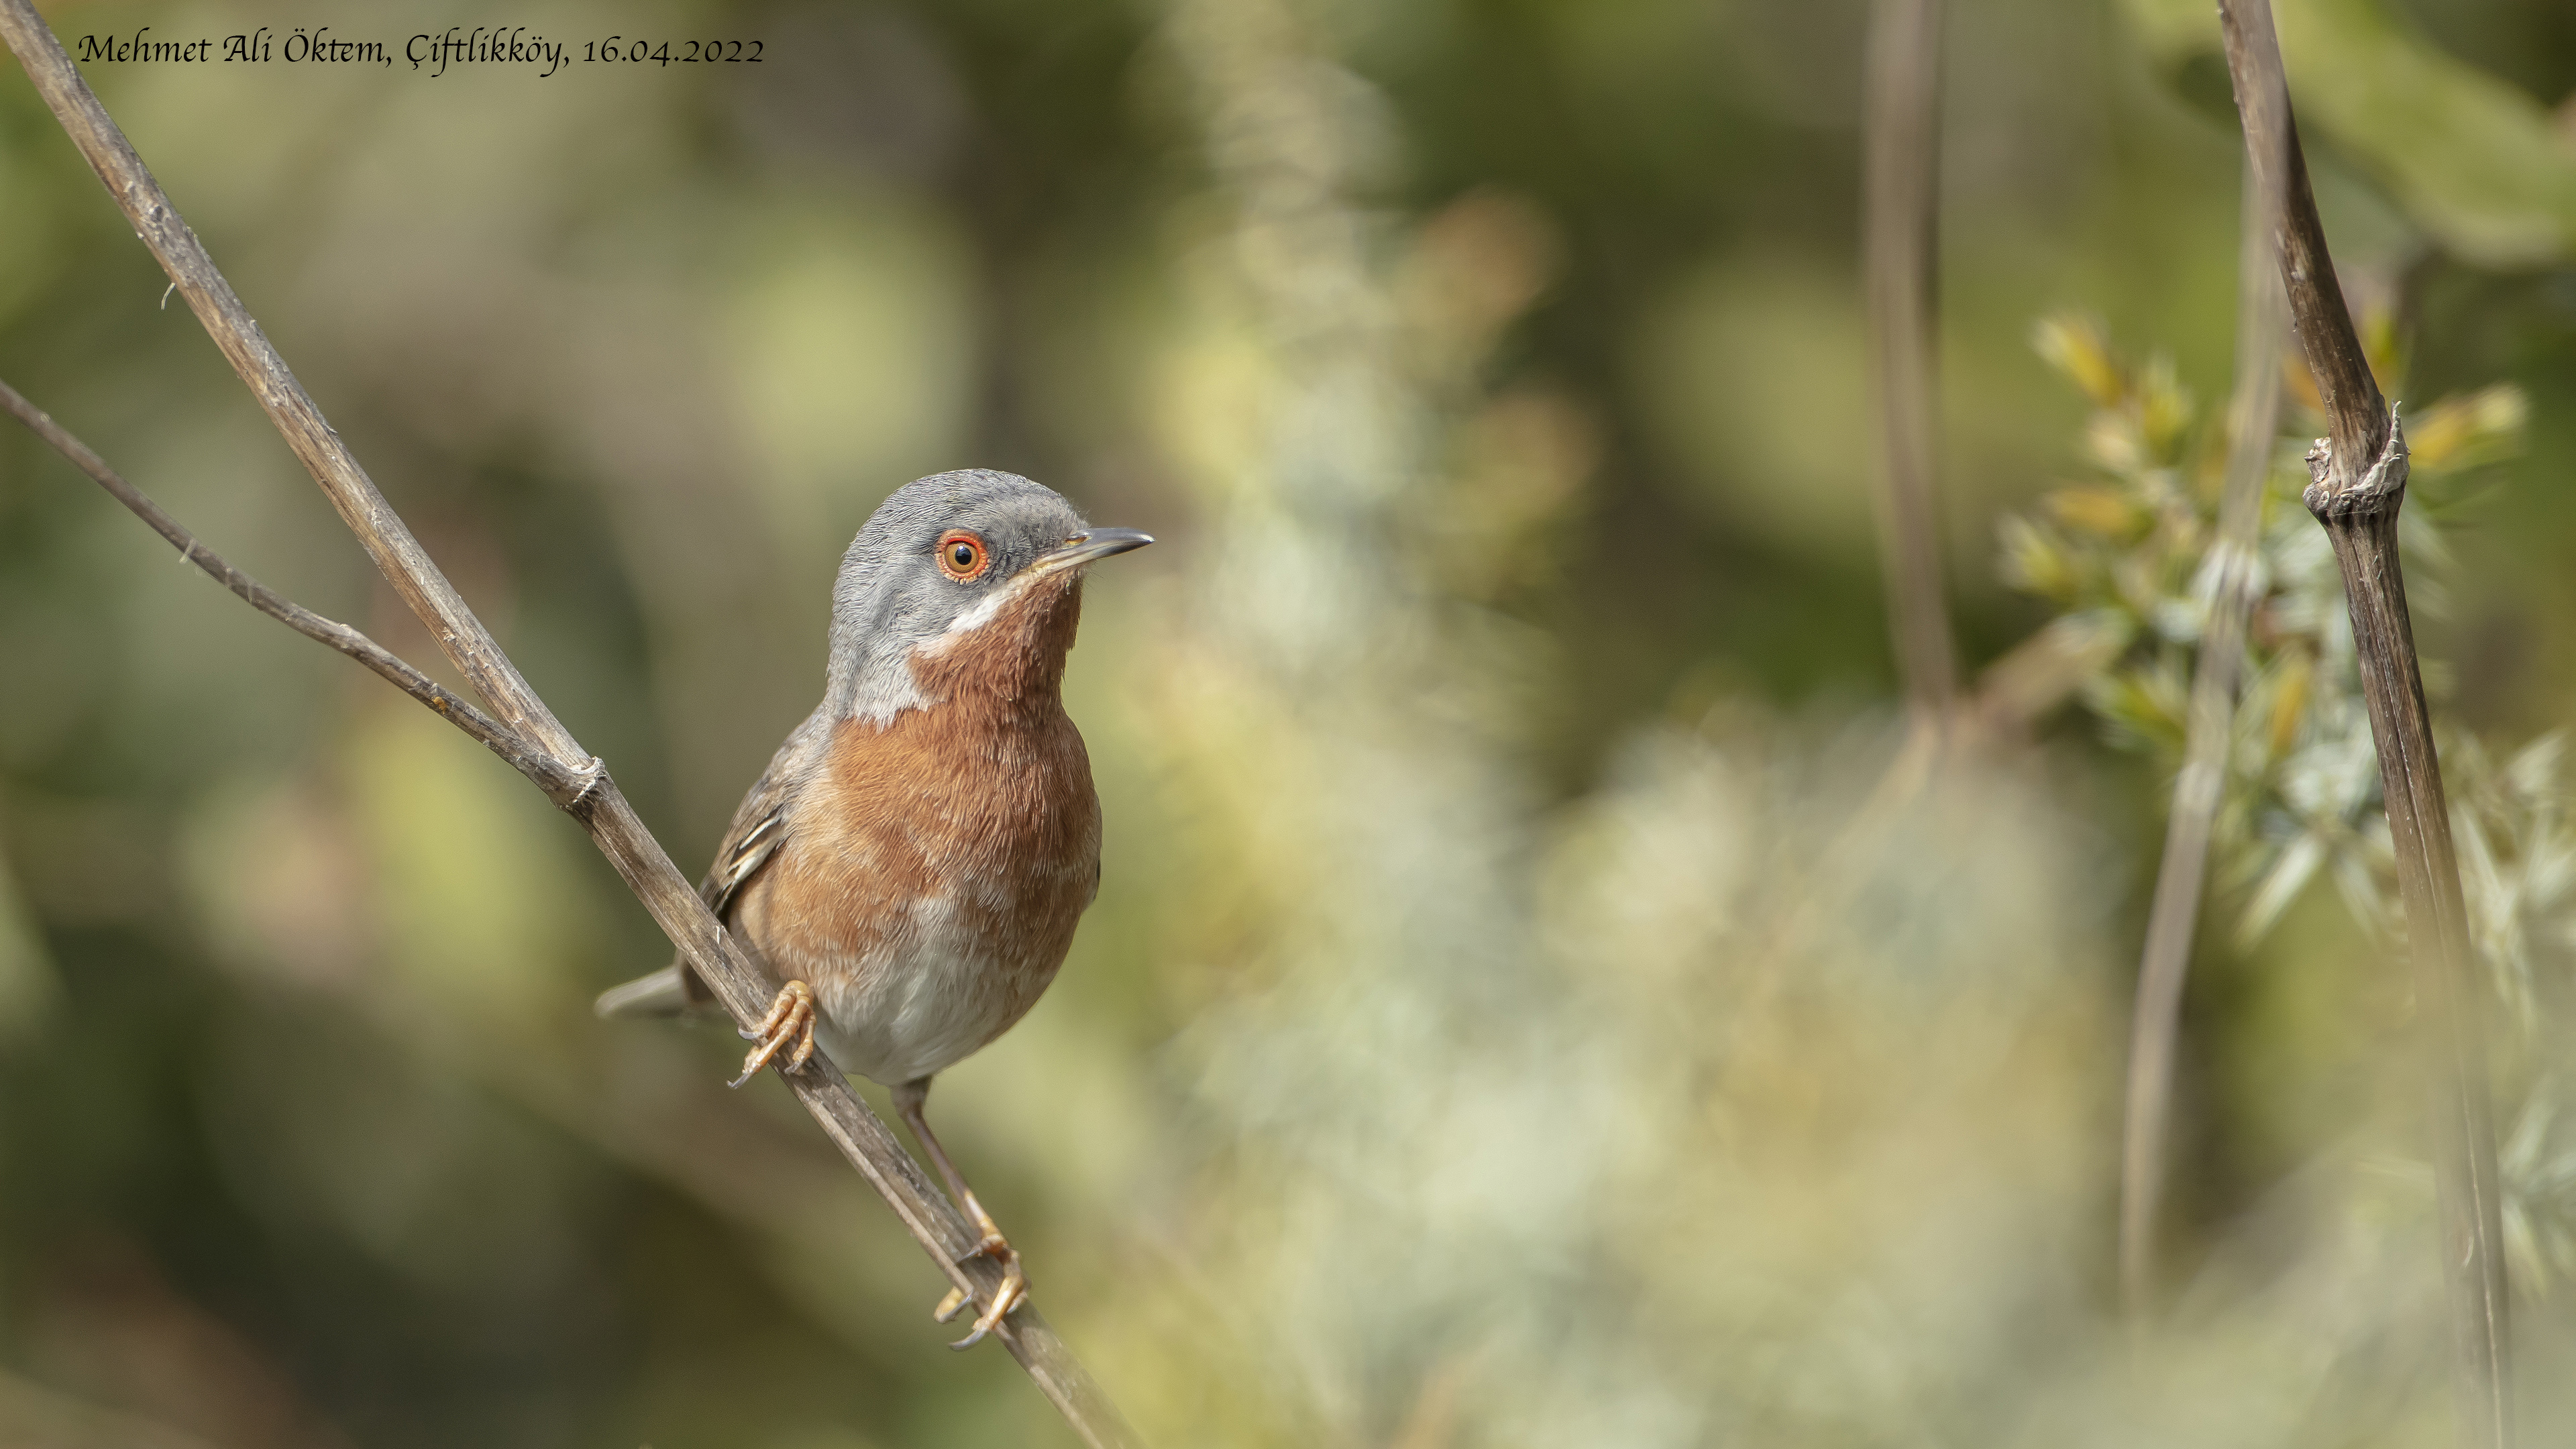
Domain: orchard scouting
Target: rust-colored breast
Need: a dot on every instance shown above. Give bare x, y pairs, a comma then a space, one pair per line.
934, 869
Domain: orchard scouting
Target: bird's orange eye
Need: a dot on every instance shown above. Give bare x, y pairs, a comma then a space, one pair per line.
962, 556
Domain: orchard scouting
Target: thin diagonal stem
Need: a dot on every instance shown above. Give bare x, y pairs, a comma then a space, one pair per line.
490, 733
2253, 418
2357, 485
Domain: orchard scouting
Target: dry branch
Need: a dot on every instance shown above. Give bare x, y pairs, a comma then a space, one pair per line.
519, 719
560, 785
1900, 204
2358, 485
2164, 962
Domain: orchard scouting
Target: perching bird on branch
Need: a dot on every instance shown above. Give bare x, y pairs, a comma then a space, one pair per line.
910, 867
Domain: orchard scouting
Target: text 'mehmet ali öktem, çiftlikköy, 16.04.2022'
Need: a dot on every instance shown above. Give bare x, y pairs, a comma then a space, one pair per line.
429, 53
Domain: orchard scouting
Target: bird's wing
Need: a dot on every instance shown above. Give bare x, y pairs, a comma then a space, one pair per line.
759, 827
760, 822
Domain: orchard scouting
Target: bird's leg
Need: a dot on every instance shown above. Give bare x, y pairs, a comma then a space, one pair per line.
790, 1019
908, 1100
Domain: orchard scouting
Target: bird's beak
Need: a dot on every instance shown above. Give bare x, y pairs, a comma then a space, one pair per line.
1090, 545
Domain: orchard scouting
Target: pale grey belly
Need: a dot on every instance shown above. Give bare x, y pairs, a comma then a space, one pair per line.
918, 1003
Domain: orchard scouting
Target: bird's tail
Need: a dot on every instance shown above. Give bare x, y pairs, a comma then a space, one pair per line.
664, 993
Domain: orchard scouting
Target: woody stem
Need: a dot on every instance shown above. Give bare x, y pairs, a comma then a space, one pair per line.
2358, 485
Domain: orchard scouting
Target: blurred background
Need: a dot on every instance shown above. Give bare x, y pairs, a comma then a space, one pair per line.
1518, 1010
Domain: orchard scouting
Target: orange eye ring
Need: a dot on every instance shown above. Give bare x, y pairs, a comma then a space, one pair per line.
962, 556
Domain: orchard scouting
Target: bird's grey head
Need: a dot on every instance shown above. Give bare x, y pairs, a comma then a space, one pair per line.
941, 558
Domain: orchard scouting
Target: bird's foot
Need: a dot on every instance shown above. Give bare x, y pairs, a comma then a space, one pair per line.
790, 1021
1010, 1294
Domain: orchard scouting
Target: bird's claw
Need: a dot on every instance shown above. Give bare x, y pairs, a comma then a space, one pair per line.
1011, 1292
790, 1019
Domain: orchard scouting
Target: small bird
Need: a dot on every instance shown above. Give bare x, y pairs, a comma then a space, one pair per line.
910, 867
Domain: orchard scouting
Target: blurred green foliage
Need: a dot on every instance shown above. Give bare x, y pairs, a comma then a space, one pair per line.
1516, 1011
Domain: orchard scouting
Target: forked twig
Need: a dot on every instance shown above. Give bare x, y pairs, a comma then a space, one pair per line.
561, 786
2358, 484
2164, 962
519, 720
